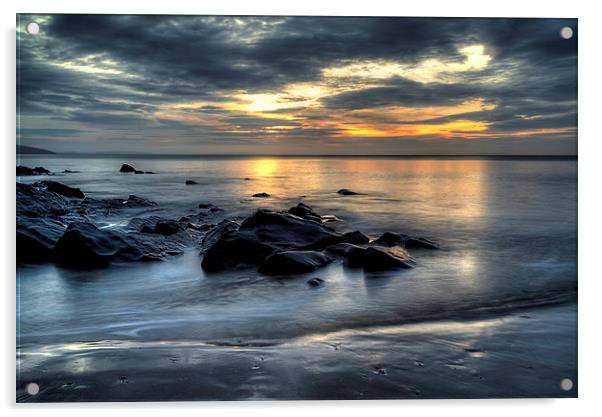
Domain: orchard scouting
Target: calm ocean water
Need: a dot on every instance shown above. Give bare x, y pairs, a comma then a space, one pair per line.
508, 231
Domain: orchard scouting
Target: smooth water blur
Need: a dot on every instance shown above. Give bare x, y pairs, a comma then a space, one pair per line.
508, 231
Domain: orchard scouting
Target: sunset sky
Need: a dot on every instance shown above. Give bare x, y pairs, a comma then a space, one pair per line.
297, 85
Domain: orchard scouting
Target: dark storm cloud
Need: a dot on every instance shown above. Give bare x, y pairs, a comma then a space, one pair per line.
141, 64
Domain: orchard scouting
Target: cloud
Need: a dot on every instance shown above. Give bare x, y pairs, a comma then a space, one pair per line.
209, 82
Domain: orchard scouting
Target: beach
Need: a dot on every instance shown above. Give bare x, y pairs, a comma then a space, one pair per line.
491, 313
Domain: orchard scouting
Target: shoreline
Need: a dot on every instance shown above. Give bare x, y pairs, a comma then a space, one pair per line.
507, 356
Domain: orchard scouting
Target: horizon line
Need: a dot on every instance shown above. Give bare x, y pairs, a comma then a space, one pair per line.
306, 155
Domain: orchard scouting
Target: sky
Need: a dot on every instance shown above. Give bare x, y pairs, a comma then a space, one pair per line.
297, 85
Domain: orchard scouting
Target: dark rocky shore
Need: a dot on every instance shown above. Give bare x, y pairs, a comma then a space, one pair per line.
57, 223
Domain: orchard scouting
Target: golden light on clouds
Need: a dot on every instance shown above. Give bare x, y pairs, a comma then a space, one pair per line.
427, 71
300, 104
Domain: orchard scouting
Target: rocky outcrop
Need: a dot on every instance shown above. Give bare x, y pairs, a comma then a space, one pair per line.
261, 195
85, 246
345, 191
127, 168
405, 241
43, 235
92, 205
191, 182
33, 201
293, 262
62, 189
378, 259
26, 171
36, 236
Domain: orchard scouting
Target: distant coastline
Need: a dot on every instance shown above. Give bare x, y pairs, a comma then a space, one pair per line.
305, 156
32, 150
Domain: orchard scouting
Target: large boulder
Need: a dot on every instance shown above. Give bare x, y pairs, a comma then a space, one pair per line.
378, 259
293, 262
352, 255
83, 245
36, 236
285, 231
62, 189
127, 168
356, 238
34, 201
405, 241
260, 235
235, 249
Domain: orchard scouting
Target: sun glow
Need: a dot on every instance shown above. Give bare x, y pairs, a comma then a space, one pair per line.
300, 105
427, 71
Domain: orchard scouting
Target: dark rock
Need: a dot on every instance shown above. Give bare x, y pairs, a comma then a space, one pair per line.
205, 205
377, 259
138, 172
356, 238
397, 239
83, 245
36, 236
285, 231
345, 191
33, 201
352, 255
390, 239
247, 179
145, 224
127, 168
135, 201
315, 282
158, 225
420, 242
233, 249
216, 232
25, 171
148, 172
260, 235
68, 171
62, 189
305, 212
191, 182
293, 262
261, 195
168, 227
108, 205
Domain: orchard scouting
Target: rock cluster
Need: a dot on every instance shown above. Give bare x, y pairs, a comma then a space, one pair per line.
298, 241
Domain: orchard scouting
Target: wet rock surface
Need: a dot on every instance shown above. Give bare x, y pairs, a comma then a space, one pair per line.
261, 195
293, 262
345, 191
26, 171
53, 227
62, 189
191, 182
315, 282
36, 237
56, 222
294, 242
397, 239
127, 168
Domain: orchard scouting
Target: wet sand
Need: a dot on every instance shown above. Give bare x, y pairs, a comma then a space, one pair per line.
523, 354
